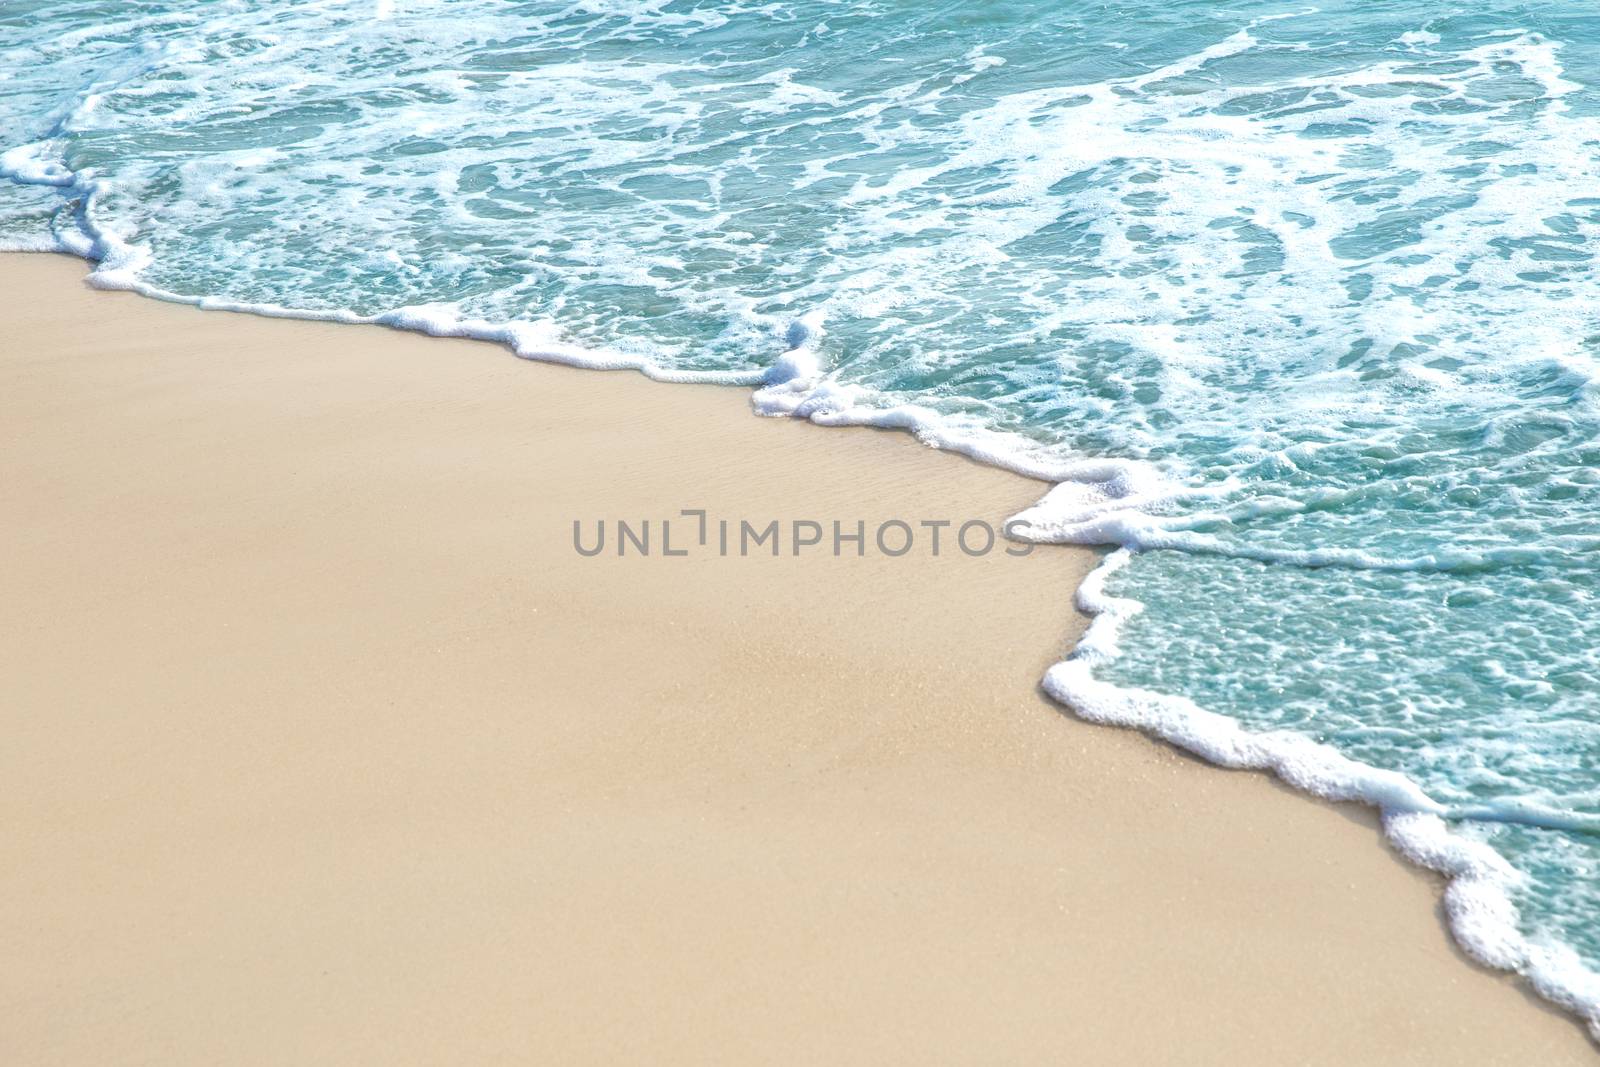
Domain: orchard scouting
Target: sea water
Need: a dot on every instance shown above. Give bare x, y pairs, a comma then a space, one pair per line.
1296, 302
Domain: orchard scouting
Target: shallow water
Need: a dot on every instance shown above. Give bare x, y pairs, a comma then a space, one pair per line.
1300, 305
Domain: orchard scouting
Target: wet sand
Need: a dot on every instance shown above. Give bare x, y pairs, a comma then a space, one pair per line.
324, 745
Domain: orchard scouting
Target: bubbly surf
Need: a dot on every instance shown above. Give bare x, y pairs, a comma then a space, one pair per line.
1295, 305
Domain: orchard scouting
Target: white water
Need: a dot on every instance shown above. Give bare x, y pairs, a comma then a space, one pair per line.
1296, 307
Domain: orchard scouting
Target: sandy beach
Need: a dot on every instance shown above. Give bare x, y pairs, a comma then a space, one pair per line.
326, 746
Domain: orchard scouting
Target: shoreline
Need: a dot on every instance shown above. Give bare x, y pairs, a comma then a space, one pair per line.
847, 827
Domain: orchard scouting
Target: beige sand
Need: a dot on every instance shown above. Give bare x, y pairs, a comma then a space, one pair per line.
324, 746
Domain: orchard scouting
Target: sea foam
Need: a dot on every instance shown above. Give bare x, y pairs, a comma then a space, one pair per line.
1294, 311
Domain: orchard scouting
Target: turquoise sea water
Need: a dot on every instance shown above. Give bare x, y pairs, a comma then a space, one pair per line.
1298, 305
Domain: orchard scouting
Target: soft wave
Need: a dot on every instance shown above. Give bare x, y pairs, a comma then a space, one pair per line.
1291, 309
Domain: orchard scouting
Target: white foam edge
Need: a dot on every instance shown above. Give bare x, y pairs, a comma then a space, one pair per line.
1482, 915
119, 265
1093, 502
528, 340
